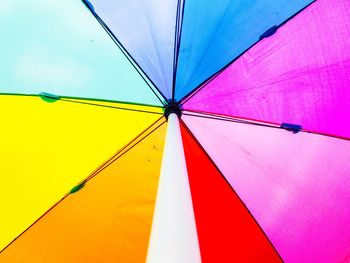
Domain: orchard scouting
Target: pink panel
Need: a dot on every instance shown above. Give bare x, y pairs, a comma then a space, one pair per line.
297, 186
300, 75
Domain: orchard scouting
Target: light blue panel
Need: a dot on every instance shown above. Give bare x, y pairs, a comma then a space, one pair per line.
58, 47
217, 31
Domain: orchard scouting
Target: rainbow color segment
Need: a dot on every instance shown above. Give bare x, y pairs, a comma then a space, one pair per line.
174, 131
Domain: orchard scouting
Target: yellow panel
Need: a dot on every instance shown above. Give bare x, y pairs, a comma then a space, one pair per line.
108, 220
47, 148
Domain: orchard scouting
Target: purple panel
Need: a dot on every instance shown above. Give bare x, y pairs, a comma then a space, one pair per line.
300, 75
147, 30
297, 186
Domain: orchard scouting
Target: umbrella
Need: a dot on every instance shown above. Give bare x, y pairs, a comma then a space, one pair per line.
175, 131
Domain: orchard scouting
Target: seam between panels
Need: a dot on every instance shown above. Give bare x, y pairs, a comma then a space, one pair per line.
235, 120
178, 34
139, 138
129, 57
242, 120
227, 116
109, 101
73, 98
175, 48
109, 106
204, 83
132, 60
233, 190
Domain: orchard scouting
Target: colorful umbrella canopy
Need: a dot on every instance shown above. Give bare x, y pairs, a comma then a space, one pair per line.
175, 131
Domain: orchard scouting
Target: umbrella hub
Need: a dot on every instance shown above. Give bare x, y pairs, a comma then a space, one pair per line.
173, 107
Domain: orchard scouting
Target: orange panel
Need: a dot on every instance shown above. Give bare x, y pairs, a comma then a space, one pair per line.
108, 220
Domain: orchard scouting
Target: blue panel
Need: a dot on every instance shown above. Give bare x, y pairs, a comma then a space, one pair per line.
215, 32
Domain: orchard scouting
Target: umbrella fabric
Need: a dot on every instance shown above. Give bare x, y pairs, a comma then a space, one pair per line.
42, 141
103, 222
292, 186
147, 29
299, 75
220, 214
57, 47
216, 32
174, 131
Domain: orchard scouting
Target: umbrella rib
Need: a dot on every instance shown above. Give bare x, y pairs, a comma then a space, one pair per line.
127, 148
109, 106
229, 185
204, 83
107, 100
178, 34
85, 99
79, 101
132, 60
175, 48
129, 57
255, 122
139, 138
229, 119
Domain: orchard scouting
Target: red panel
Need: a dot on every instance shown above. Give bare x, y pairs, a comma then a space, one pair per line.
226, 230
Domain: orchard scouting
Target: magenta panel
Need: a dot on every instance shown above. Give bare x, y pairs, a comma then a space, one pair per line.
297, 186
300, 75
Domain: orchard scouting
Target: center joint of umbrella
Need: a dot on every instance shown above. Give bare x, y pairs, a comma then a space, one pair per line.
173, 107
